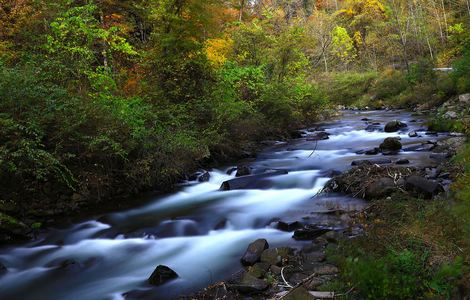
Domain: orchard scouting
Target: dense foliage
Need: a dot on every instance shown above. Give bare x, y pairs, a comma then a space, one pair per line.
102, 98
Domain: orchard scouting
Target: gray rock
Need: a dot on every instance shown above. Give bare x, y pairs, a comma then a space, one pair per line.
161, 275
254, 251
309, 232
231, 170
297, 278
259, 269
373, 127
318, 256
394, 126
275, 256
432, 173
464, 98
450, 115
248, 284
250, 181
3, 269
289, 226
422, 186
372, 151
320, 135
380, 187
243, 171
326, 270
204, 177
413, 134
402, 161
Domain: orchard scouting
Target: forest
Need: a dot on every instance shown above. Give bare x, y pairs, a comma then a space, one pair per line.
104, 100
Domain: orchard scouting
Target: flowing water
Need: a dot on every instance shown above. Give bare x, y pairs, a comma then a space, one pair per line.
200, 232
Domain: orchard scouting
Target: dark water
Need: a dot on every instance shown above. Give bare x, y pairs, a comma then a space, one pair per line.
113, 254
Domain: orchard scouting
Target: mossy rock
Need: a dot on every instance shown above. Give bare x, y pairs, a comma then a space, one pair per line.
390, 144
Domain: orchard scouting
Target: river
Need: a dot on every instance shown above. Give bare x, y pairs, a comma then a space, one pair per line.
200, 231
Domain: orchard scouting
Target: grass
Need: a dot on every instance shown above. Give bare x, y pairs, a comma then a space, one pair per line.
412, 248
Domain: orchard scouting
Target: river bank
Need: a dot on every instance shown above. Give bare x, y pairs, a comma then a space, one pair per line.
51, 205
340, 261
215, 226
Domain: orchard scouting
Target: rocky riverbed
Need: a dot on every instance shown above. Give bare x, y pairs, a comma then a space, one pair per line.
260, 228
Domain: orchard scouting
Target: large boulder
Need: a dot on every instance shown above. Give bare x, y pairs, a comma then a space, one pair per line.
161, 275
394, 126
390, 145
422, 186
254, 251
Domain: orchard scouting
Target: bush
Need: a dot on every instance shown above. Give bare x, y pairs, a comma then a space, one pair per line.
389, 84
346, 88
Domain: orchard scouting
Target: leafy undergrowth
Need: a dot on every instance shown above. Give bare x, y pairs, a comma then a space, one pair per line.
421, 85
412, 248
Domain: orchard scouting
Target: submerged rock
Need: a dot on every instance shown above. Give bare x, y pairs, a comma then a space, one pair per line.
402, 161
372, 151
320, 135
161, 275
394, 126
249, 181
3, 269
254, 251
373, 127
413, 134
289, 226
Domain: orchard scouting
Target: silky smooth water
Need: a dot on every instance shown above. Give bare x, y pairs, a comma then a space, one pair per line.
199, 231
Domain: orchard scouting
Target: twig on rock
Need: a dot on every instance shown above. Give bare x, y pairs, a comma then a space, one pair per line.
284, 279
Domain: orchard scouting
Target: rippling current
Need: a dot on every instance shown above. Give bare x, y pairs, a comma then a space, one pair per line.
200, 231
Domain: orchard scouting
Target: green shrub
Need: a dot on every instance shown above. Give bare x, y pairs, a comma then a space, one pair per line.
461, 72
389, 84
346, 88
421, 71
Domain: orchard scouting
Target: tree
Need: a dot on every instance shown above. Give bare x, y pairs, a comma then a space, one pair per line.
342, 45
